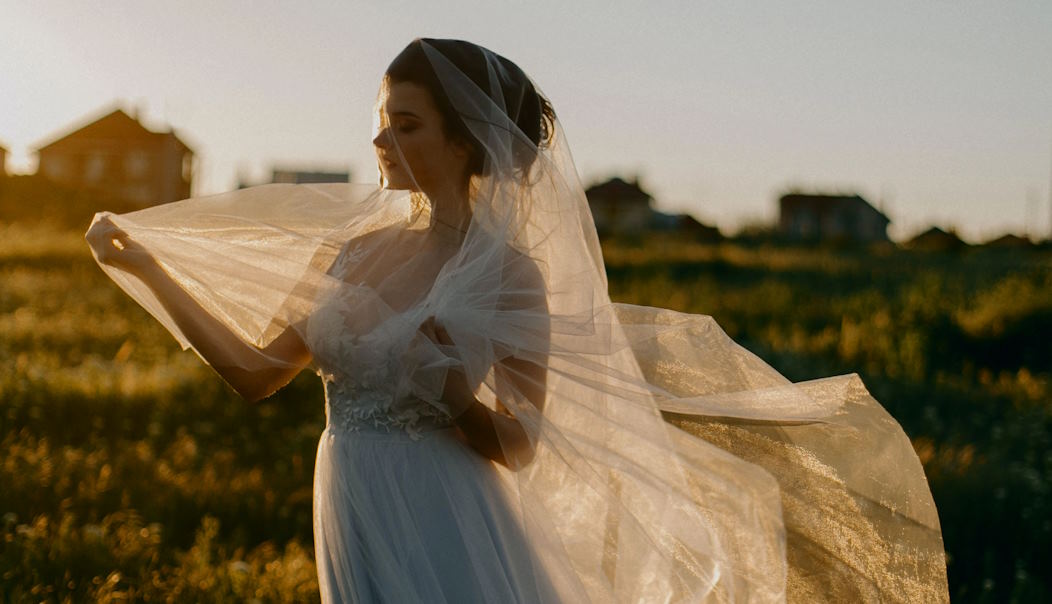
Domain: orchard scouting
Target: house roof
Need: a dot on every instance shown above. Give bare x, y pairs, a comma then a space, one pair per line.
935, 237
692, 224
1009, 240
822, 203
617, 189
116, 124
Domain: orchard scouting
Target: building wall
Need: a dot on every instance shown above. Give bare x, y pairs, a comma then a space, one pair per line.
298, 177
820, 217
620, 218
115, 157
144, 172
620, 207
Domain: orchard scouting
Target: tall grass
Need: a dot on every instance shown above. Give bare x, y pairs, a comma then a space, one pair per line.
958, 347
129, 472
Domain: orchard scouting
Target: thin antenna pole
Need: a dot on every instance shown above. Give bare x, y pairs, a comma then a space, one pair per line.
1033, 199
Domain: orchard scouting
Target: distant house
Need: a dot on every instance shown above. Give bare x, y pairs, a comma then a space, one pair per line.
684, 225
1009, 242
116, 157
299, 177
688, 225
620, 208
936, 240
831, 217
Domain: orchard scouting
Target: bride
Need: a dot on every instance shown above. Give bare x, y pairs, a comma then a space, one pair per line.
497, 430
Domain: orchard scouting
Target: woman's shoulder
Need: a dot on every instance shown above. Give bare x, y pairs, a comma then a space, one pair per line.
376, 238
523, 278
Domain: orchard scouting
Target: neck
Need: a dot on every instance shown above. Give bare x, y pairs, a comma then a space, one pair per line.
452, 209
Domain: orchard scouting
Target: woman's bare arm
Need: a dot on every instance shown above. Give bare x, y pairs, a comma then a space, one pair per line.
228, 354
498, 435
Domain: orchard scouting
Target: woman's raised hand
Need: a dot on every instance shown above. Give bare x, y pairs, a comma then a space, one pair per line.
114, 247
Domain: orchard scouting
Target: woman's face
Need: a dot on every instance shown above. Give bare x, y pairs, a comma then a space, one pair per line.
412, 147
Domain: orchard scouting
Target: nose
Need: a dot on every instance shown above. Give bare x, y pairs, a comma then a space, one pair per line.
383, 138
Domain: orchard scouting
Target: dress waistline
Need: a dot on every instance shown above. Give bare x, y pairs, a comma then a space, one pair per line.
385, 432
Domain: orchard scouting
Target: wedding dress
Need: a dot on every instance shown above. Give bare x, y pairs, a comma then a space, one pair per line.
404, 511
666, 463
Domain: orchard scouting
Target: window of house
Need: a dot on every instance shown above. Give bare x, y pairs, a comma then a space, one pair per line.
56, 167
188, 166
94, 167
137, 164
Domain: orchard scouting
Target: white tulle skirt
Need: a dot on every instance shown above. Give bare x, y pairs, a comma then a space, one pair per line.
427, 520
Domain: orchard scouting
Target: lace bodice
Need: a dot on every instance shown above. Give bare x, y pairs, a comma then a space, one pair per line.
363, 351
361, 405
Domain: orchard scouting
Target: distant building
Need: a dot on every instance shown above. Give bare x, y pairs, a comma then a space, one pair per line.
1009, 242
690, 226
620, 208
936, 240
831, 217
3, 161
299, 177
116, 157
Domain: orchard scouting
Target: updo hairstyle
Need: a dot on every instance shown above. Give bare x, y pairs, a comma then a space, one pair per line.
533, 114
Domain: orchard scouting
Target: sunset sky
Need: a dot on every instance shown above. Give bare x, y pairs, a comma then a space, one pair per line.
939, 112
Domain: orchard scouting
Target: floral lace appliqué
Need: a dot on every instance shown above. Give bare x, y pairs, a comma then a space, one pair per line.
365, 404
360, 347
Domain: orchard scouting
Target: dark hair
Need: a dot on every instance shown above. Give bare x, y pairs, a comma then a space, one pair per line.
533, 115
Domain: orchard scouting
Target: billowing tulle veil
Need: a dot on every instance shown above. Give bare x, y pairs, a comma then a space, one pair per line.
670, 463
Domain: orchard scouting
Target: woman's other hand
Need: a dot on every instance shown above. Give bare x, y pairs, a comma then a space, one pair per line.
457, 390
496, 435
115, 248
435, 332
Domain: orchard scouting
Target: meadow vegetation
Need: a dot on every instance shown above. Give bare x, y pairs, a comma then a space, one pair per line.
957, 347
130, 472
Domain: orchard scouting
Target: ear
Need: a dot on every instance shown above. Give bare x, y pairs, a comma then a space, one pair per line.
461, 148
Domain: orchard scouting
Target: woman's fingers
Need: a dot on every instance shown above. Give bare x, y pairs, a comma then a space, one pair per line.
113, 246
428, 328
105, 232
435, 331
97, 233
442, 335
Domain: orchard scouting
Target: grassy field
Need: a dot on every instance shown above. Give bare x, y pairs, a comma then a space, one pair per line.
128, 471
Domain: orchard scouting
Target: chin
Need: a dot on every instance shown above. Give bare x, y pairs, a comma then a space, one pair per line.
397, 186
394, 184
397, 181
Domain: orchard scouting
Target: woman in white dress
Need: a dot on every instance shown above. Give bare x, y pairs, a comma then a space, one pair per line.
497, 429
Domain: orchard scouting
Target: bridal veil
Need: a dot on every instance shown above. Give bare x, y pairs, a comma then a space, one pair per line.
669, 464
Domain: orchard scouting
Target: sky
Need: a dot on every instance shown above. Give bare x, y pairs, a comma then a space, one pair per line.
937, 112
